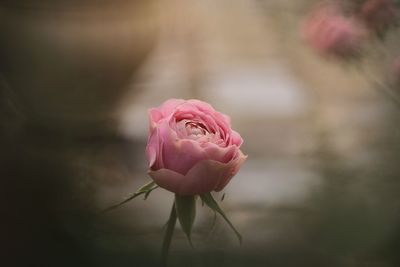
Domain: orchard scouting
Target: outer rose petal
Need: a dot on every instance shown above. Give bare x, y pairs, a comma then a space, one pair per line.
203, 106
234, 168
168, 107
221, 154
154, 117
236, 138
204, 177
167, 179
163, 111
151, 155
153, 150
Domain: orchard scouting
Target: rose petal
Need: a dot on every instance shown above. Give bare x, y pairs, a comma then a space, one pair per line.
151, 154
202, 178
221, 154
154, 117
168, 107
167, 179
202, 106
179, 155
234, 167
153, 150
236, 139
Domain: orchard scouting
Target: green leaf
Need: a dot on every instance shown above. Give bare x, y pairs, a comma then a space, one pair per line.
145, 189
210, 202
186, 211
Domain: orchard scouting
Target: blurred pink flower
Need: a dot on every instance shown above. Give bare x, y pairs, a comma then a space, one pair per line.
191, 147
396, 68
379, 15
329, 32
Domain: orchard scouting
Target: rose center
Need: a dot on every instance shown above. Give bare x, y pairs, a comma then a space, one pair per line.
195, 129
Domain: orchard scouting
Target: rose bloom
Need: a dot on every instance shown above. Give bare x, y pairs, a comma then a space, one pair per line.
191, 147
331, 33
379, 15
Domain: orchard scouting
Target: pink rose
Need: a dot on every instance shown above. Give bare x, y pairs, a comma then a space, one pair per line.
191, 147
329, 32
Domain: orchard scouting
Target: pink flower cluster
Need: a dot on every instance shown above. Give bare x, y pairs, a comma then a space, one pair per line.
332, 32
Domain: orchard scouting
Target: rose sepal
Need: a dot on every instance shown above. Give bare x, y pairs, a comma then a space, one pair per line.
208, 199
145, 189
186, 211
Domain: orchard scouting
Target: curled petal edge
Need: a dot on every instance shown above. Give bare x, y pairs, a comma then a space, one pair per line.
203, 177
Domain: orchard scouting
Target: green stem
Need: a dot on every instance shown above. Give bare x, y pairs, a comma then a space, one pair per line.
168, 236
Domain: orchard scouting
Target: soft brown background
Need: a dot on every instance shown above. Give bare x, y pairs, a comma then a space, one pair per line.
320, 187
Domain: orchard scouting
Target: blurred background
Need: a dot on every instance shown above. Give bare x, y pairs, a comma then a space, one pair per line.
317, 109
